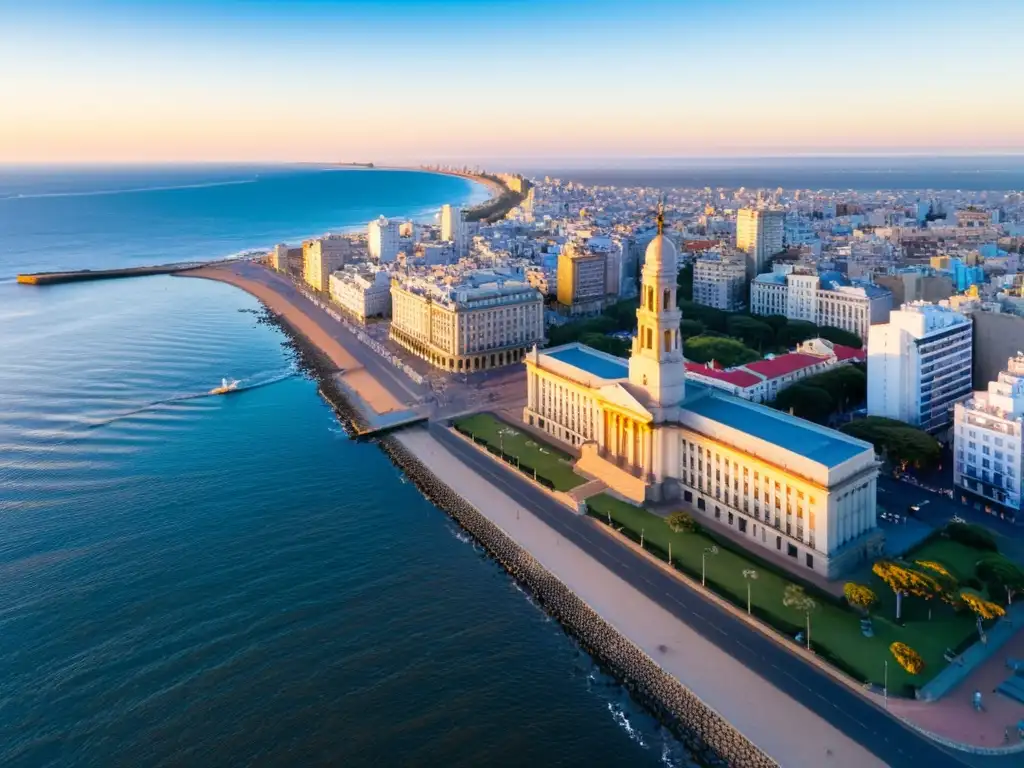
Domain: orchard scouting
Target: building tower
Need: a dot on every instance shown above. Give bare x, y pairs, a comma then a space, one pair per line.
656, 363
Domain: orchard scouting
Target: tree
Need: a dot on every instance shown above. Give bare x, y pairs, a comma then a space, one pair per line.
709, 317
907, 658
794, 332
840, 336
983, 608
901, 443
973, 536
946, 580
726, 352
860, 596
906, 581
613, 346
684, 281
680, 521
752, 332
805, 401
1001, 575
794, 597
690, 328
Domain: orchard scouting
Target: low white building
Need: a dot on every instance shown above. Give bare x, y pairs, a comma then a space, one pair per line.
919, 365
800, 293
362, 294
720, 282
987, 440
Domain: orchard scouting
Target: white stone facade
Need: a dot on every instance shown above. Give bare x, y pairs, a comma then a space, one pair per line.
362, 295
720, 283
383, 240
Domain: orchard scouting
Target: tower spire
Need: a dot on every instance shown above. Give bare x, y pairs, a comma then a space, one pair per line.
661, 216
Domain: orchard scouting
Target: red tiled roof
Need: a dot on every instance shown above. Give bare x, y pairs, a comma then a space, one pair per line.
848, 353
698, 245
783, 364
738, 378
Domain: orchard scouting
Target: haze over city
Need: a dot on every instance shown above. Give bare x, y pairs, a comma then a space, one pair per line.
227, 80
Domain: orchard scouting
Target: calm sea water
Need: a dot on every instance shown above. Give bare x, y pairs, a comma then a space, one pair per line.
190, 580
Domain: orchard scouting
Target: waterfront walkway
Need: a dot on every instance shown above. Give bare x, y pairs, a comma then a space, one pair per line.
792, 711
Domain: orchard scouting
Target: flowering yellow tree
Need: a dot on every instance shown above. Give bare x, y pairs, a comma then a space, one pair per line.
907, 658
942, 575
984, 609
860, 596
906, 581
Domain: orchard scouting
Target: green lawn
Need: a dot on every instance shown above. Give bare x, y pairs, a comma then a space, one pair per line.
958, 558
549, 461
835, 629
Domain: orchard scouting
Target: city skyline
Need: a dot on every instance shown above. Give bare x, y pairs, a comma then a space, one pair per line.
179, 80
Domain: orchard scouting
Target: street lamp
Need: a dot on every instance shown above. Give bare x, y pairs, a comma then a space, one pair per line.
885, 685
703, 562
749, 574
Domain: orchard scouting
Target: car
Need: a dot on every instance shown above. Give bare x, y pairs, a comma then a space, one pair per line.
914, 509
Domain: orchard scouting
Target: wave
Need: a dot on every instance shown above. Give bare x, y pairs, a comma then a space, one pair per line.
100, 192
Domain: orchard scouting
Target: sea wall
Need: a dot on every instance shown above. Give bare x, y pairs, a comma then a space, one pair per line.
705, 732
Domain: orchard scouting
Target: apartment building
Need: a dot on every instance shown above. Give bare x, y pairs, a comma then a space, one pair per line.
321, 257
988, 443
720, 282
362, 294
919, 365
383, 240
760, 234
582, 279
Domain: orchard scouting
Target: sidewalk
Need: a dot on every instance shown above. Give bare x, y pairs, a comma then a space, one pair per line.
757, 709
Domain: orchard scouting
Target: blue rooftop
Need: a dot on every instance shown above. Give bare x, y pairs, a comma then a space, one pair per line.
590, 361
781, 429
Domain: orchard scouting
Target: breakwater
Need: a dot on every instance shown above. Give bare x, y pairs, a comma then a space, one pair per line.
82, 275
709, 736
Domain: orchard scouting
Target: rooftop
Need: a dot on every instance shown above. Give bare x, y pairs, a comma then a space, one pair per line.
795, 435
735, 376
591, 361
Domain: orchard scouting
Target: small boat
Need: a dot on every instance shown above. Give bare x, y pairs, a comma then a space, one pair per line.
226, 387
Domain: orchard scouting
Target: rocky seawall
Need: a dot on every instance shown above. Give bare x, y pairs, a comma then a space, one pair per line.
709, 736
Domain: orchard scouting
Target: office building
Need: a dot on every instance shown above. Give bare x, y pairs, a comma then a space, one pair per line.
919, 365
989, 450
582, 279
454, 229
720, 282
777, 482
466, 328
759, 234
362, 294
800, 293
383, 240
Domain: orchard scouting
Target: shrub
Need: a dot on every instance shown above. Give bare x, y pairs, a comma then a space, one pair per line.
974, 536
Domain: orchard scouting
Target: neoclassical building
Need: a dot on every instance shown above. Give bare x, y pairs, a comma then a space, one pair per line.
783, 483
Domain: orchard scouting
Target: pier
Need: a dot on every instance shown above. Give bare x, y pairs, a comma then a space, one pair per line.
81, 275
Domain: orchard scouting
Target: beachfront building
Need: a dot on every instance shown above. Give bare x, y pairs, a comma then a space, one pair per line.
582, 280
362, 294
760, 234
988, 442
283, 258
762, 381
720, 282
322, 256
383, 240
800, 293
648, 431
454, 229
466, 327
919, 365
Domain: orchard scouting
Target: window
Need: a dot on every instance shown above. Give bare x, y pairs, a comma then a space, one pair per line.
687, 496
791, 550
778, 542
743, 525
810, 560
718, 513
730, 518
701, 504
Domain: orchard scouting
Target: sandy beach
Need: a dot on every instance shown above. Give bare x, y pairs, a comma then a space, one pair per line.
352, 373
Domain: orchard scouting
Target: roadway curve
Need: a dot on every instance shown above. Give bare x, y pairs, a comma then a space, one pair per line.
883, 735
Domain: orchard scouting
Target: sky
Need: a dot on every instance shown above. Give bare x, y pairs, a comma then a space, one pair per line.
474, 80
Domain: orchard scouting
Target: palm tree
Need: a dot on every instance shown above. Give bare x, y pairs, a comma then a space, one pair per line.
794, 597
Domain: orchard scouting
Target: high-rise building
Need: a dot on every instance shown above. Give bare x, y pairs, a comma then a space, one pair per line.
988, 439
453, 228
383, 240
582, 279
467, 328
919, 365
720, 282
988, 442
759, 234
321, 257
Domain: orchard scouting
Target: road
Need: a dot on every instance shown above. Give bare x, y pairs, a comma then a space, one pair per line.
886, 737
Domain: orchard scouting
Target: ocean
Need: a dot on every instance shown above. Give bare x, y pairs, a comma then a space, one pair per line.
193, 580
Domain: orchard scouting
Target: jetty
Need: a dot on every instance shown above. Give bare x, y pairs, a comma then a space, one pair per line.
81, 275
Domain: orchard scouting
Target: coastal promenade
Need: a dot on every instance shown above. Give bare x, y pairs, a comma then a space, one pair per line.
793, 711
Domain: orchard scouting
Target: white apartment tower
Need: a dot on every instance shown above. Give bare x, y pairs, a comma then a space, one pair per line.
919, 365
987, 439
759, 233
453, 228
383, 240
720, 283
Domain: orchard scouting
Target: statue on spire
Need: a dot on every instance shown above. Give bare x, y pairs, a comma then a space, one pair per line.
661, 216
